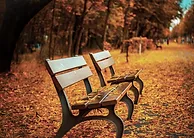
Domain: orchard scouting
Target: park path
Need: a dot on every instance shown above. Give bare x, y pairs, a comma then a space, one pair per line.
30, 105
166, 108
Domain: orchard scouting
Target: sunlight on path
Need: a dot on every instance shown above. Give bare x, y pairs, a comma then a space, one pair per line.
166, 110
167, 106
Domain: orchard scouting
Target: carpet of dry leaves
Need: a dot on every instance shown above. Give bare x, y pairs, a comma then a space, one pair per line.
30, 108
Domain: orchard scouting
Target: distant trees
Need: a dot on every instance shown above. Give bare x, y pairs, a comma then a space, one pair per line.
186, 26
153, 17
189, 21
71, 25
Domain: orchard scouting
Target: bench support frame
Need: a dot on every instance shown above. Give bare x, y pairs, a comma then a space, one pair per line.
141, 84
68, 71
69, 120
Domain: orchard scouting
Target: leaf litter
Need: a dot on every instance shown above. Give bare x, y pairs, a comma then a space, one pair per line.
30, 106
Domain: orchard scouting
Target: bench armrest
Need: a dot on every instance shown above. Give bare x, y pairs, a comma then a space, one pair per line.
124, 78
109, 95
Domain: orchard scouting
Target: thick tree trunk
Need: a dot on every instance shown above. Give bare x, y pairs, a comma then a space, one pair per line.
51, 49
105, 29
78, 44
2, 10
69, 34
70, 41
125, 34
17, 15
78, 30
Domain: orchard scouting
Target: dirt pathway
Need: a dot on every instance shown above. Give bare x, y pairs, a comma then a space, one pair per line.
167, 106
30, 107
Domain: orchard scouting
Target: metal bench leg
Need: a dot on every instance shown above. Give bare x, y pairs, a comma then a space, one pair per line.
70, 121
136, 93
112, 117
129, 104
63, 130
65, 127
117, 121
138, 80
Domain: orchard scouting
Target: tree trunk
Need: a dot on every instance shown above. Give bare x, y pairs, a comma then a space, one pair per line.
78, 28
17, 15
78, 44
69, 34
70, 42
2, 10
51, 49
125, 28
125, 34
106, 22
138, 29
54, 47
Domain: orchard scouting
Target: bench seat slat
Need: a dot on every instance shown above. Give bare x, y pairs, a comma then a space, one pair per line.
63, 64
98, 99
80, 104
101, 55
73, 76
93, 99
103, 98
115, 97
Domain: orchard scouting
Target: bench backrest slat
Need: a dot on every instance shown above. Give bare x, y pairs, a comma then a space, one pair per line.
106, 63
101, 61
72, 77
63, 64
101, 55
67, 71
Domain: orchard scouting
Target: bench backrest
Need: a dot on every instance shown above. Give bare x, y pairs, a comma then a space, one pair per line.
101, 61
67, 71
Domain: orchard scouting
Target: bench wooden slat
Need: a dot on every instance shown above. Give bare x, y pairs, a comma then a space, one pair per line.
119, 79
63, 64
101, 55
98, 99
94, 99
73, 76
122, 78
80, 104
106, 63
104, 98
115, 97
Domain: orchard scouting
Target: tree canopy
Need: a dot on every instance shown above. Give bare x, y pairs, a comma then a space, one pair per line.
73, 25
153, 17
186, 25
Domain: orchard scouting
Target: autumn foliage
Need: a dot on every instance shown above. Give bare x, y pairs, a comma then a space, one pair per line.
71, 26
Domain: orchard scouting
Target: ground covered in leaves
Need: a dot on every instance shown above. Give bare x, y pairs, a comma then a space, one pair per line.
29, 105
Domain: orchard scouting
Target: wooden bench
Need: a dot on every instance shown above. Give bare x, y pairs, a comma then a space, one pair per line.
103, 60
68, 71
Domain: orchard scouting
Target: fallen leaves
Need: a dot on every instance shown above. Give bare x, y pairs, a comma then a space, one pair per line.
29, 105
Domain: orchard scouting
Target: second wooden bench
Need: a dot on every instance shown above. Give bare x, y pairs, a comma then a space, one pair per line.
103, 60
